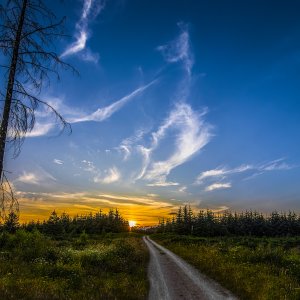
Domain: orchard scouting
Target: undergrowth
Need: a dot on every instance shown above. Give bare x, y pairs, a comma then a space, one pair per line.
252, 268
109, 266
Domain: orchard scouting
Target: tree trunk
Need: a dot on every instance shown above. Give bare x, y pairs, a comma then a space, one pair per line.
10, 86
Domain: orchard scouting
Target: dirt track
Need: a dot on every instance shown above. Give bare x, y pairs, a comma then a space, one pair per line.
172, 278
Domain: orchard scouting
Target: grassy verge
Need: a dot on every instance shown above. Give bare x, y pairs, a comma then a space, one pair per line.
252, 268
111, 266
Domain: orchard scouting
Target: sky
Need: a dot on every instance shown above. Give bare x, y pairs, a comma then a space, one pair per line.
177, 102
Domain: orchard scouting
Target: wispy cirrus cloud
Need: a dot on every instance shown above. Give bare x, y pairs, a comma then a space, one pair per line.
252, 170
29, 177
89, 166
45, 119
35, 177
112, 175
179, 50
275, 165
127, 144
163, 183
182, 189
217, 186
58, 161
221, 172
104, 113
91, 9
193, 134
41, 129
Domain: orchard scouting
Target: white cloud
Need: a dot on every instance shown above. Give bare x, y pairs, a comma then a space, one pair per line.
46, 120
275, 165
126, 145
221, 173
89, 56
58, 161
90, 10
113, 175
179, 50
104, 113
44, 116
163, 183
193, 134
146, 153
126, 150
89, 167
217, 186
40, 129
153, 195
30, 178
37, 177
220, 209
182, 189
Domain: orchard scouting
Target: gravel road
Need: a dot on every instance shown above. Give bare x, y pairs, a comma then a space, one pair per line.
172, 278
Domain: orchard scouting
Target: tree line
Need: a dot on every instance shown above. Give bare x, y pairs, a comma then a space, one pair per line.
59, 225
249, 223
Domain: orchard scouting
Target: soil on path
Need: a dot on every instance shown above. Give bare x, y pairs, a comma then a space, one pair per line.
172, 278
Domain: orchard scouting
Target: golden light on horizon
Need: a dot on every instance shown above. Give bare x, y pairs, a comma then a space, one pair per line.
132, 223
141, 210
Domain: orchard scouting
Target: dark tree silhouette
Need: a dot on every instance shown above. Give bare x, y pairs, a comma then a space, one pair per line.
28, 30
249, 223
58, 225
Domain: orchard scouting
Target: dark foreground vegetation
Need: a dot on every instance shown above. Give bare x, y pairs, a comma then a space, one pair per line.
249, 223
95, 256
85, 257
107, 266
251, 267
253, 255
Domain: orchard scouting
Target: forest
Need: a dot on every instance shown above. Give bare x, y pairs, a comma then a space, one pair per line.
59, 225
249, 223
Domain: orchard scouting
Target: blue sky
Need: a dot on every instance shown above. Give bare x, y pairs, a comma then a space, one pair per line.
177, 102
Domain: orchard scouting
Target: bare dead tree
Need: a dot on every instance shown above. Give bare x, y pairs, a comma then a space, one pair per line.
28, 31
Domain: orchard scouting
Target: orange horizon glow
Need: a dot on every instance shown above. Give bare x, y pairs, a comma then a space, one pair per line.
137, 215
132, 223
144, 210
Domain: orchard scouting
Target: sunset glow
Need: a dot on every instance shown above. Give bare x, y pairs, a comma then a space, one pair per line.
132, 223
178, 116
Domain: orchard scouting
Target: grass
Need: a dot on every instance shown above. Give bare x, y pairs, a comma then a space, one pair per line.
109, 266
252, 268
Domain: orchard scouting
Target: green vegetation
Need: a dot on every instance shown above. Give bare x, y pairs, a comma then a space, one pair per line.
251, 267
207, 223
60, 225
106, 266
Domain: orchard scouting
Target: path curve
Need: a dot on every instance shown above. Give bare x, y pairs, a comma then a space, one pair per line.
172, 278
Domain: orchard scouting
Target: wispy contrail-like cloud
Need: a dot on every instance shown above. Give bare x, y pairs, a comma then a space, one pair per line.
90, 10
218, 186
179, 50
193, 134
221, 174
104, 113
38, 176
45, 124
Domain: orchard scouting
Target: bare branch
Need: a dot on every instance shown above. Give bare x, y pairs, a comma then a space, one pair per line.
28, 31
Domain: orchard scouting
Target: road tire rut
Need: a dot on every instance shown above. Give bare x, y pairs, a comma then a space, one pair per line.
172, 278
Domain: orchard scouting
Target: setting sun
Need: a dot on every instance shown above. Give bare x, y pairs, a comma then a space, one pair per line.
132, 223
